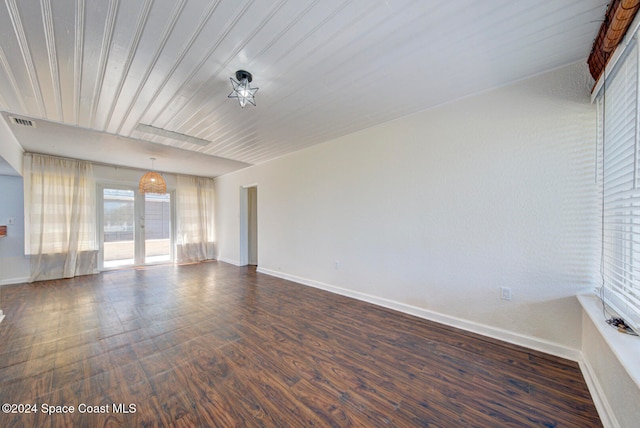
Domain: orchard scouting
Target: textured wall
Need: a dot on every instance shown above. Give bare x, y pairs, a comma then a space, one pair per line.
14, 266
10, 150
440, 209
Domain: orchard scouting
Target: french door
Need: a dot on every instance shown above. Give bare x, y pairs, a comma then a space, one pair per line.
136, 228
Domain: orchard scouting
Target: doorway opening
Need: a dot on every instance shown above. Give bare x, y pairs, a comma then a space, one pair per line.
249, 226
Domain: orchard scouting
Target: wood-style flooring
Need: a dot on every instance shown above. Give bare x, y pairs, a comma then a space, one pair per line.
212, 344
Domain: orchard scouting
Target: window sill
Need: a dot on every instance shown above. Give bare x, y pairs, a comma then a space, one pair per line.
625, 347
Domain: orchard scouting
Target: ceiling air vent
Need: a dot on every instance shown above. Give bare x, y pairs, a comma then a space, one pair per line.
23, 122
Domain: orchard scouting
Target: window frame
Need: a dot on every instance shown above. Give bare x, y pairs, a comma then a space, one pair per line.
618, 163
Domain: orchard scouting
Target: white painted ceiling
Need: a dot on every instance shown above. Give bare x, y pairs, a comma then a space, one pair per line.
90, 71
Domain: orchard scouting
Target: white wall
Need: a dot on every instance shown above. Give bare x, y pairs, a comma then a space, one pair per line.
14, 266
123, 176
10, 149
434, 212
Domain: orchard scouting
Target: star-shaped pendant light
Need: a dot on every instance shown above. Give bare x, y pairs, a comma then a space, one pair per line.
241, 89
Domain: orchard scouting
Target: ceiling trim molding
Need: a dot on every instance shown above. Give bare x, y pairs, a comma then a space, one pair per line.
78, 59
107, 36
617, 19
14, 15
185, 49
166, 33
141, 23
12, 79
50, 41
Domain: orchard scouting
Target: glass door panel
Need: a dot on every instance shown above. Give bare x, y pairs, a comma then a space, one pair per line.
157, 227
136, 228
118, 227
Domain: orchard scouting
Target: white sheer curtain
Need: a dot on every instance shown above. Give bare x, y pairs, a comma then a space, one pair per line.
194, 215
60, 203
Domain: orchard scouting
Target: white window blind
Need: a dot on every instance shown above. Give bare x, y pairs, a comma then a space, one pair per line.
621, 188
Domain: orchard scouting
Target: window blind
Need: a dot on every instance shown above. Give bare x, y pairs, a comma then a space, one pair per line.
621, 189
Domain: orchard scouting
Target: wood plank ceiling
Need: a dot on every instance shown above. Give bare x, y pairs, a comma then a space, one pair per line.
325, 68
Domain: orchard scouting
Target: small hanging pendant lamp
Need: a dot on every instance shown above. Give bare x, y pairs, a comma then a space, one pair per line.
152, 182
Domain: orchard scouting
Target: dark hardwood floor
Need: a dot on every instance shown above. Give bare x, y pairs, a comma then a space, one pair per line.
212, 344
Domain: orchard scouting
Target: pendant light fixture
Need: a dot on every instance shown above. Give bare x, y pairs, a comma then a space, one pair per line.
241, 89
152, 182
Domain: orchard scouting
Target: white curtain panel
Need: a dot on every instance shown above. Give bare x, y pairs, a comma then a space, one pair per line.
60, 203
194, 215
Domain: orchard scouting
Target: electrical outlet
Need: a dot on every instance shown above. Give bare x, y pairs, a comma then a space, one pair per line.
11, 220
505, 293
337, 265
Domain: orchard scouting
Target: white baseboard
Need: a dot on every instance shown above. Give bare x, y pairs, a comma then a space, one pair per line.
230, 261
485, 330
607, 416
14, 280
605, 412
